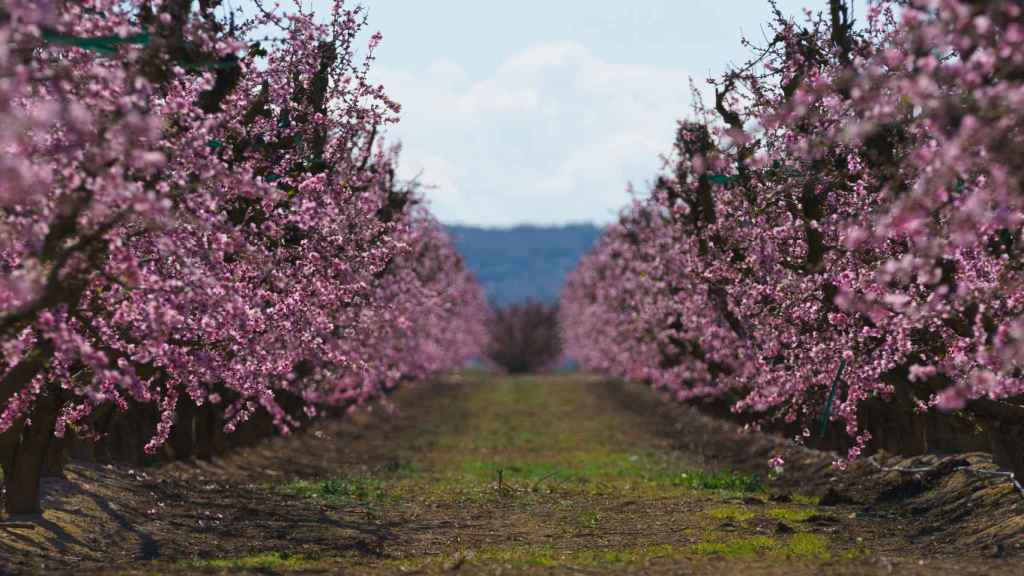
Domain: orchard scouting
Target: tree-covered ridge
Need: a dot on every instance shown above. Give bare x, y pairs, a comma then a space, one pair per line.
523, 262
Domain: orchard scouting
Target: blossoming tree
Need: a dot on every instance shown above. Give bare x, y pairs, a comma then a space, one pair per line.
191, 217
842, 227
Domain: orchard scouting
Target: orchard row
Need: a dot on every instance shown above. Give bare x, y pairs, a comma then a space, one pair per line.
843, 226
197, 217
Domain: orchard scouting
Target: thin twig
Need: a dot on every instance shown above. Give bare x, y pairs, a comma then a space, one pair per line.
542, 479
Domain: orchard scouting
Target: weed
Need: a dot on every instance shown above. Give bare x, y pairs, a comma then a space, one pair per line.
364, 490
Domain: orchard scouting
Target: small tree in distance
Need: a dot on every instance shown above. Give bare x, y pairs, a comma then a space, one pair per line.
525, 337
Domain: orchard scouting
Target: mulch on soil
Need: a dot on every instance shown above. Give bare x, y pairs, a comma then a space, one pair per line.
551, 474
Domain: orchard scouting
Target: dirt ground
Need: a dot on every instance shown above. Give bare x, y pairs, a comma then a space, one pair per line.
556, 474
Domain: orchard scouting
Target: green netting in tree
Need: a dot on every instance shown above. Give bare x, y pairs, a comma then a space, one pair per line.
102, 44
107, 46
211, 64
826, 414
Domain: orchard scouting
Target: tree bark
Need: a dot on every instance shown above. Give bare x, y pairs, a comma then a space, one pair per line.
24, 458
206, 431
182, 439
56, 448
1004, 423
56, 457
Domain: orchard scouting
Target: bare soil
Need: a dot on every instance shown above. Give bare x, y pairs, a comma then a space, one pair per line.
484, 474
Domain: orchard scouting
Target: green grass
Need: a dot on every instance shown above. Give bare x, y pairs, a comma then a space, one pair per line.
805, 546
723, 480
262, 561
734, 513
587, 457
606, 466
523, 558
806, 500
790, 514
572, 471
364, 490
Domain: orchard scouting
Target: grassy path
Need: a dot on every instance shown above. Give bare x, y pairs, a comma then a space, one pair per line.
494, 475
547, 475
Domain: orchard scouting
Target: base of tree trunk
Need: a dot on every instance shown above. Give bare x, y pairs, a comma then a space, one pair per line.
182, 440
1008, 447
24, 463
56, 457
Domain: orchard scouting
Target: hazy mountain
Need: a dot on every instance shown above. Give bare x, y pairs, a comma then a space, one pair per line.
522, 262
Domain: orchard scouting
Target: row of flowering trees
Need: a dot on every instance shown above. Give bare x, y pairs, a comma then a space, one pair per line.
842, 228
524, 337
193, 219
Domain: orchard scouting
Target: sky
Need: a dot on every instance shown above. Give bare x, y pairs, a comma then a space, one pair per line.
543, 111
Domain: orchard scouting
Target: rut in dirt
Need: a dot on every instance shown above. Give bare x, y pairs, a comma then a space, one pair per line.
484, 474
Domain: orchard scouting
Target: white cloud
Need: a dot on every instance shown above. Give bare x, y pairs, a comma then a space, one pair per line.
554, 134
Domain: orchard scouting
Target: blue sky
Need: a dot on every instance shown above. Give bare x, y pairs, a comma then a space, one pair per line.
542, 112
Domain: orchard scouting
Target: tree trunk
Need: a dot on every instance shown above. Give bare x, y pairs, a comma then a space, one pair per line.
102, 420
1005, 422
131, 431
913, 424
1008, 446
9, 442
25, 456
258, 427
56, 457
205, 431
182, 439
895, 425
210, 438
56, 448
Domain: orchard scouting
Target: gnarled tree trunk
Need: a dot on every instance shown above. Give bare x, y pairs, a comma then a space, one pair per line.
23, 451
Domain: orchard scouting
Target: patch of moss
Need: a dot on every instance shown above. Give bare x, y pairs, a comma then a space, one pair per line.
789, 514
738, 547
801, 545
806, 545
599, 558
806, 500
734, 513
521, 558
262, 561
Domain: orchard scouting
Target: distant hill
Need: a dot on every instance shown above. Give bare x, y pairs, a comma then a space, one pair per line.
523, 262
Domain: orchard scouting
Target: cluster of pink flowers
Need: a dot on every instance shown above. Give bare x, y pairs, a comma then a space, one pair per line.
189, 214
854, 197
